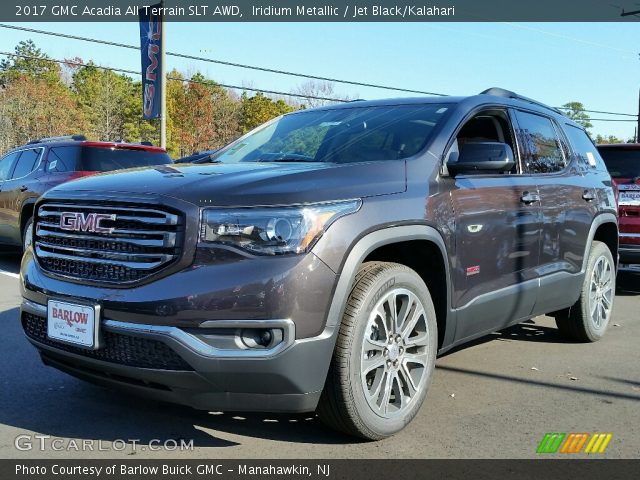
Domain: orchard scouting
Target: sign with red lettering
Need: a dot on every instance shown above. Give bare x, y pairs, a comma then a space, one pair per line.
71, 323
151, 55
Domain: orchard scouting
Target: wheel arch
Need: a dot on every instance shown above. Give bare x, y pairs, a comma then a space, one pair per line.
419, 247
603, 229
26, 212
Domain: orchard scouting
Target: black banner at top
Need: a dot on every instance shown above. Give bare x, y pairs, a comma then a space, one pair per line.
205, 469
323, 10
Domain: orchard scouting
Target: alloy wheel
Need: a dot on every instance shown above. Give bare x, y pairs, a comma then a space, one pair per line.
395, 353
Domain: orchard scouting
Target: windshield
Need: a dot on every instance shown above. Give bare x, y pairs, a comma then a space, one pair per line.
621, 163
345, 135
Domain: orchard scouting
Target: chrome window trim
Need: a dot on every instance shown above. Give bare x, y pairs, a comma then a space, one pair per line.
40, 157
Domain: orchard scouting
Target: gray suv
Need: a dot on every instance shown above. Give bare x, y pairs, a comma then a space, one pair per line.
322, 261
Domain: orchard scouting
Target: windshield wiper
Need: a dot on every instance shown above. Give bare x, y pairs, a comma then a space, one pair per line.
290, 157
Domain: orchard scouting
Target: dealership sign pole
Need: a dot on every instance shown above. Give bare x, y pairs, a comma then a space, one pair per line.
152, 52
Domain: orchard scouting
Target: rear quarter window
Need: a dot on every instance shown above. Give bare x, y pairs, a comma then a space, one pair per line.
584, 149
62, 159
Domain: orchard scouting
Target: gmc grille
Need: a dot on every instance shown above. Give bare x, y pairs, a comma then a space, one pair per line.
139, 243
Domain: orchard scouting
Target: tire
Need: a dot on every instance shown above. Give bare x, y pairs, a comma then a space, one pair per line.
588, 318
377, 382
27, 234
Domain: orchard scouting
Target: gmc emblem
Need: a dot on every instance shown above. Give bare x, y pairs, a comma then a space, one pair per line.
85, 222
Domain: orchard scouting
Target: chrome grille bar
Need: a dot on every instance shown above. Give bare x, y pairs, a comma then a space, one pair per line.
130, 244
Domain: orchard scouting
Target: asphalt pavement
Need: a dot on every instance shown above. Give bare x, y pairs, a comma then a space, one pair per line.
495, 398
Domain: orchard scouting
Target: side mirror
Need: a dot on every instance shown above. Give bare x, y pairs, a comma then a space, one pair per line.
489, 157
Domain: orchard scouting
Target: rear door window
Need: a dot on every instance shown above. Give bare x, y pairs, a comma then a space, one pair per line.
542, 152
26, 163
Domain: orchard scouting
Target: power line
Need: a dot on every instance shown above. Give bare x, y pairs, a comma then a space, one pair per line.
133, 72
568, 37
610, 120
281, 72
230, 64
606, 113
272, 92
235, 87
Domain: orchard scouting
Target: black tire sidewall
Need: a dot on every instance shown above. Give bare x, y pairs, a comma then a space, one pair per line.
395, 277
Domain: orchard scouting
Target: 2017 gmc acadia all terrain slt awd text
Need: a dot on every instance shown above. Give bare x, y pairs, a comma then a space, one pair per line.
324, 259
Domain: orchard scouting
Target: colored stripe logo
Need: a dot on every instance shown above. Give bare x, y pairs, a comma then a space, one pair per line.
574, 442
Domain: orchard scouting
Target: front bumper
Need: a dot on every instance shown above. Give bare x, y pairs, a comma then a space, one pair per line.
629, 240
167, 357
288, 381
629, 254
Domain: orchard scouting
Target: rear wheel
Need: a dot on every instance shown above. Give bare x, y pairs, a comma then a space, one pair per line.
384, 355
27, 234
588, 318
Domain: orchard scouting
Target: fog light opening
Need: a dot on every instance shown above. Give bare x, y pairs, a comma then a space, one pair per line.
261, 338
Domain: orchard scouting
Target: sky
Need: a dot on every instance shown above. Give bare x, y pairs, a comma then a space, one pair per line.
597, 64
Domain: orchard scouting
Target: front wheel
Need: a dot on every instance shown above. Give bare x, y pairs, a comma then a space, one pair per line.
384, 356
588, 318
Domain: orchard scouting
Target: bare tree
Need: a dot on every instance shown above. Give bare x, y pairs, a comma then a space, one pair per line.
317, 93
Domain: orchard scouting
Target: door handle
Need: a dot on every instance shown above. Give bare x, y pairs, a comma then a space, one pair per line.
529, 198
588, 195
23, 188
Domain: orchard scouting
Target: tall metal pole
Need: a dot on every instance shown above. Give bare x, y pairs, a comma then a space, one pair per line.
638, 127
163, 84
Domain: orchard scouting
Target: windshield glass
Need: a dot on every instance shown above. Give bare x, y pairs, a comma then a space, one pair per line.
345, 135
621, 163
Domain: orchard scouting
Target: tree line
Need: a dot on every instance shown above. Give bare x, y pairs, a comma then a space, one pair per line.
43, 98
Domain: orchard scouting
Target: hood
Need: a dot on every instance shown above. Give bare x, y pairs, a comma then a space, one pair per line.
247, 184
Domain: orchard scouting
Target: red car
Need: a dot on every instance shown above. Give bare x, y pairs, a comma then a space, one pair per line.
28, 171
623, 163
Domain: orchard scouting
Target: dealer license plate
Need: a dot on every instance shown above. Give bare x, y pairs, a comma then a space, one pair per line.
72, 323
629, 197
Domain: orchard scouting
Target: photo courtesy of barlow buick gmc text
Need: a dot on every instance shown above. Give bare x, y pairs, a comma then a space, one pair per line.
322, 239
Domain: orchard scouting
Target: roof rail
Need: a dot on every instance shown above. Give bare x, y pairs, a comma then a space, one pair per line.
64, 138
501, 92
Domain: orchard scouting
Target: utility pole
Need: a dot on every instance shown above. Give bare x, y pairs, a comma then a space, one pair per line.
163, 84
628, 14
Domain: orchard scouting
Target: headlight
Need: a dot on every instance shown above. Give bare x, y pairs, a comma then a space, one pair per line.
271, 230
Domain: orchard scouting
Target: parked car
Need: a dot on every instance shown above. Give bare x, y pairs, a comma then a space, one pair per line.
206, 156
623, 162
327, 257
28, 171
